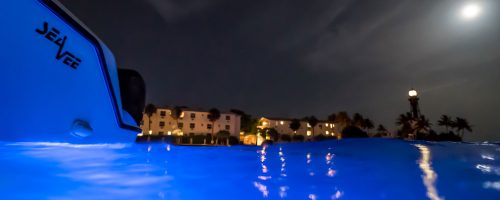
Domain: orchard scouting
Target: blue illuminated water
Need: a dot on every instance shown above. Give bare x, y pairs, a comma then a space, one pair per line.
346, 169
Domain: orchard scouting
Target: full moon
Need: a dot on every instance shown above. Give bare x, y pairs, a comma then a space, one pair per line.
471, 11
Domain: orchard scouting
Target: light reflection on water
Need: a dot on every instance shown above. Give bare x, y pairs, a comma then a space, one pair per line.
347, 169
430, 175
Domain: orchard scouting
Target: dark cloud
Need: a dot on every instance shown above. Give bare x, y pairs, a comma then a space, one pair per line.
297, 58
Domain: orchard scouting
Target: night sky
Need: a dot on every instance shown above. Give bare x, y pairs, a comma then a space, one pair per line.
298, 58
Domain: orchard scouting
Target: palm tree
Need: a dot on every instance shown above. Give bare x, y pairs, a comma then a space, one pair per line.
358, 120
342, 119
295, 125
368, 124
312, 121
213, 116
332, 117
176, 114
405, 122
149, 110
381, 129
445, 121
422, 124
462, 124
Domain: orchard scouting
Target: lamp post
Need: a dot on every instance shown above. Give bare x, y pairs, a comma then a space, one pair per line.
415, 111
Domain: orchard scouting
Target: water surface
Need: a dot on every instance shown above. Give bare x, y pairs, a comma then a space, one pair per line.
346, 169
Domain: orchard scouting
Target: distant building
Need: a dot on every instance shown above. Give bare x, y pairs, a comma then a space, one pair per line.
191, 121
282, 125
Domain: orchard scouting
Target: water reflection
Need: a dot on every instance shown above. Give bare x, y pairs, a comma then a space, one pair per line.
260, 186
283, 162
329, 163
99, 170
429, 177
487, 157
309, 165
492, 185
337, 195
283, 191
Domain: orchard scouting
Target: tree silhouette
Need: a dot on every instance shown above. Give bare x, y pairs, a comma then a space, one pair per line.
295, 125
312, 121
176, 114
150, 109
461, 125
272, 133
422, 125
343, 120
368, 124
213, 116
404, 121
358, 120
332, 117
446, 121
381, 129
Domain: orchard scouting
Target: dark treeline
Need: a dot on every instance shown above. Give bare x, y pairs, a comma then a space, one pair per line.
355, 126
421, 128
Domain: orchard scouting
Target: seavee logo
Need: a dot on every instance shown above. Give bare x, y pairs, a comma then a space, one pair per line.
52, 35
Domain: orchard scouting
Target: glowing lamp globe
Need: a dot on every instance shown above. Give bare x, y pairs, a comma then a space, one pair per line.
412, 93
471, 11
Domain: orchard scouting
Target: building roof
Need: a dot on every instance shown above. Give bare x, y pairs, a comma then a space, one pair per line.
185, 108
290, 119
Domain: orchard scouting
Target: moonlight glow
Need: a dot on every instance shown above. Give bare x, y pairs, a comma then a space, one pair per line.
471, 11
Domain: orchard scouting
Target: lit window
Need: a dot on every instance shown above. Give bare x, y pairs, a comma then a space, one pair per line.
264, 123
182, 115
169, 133
308, 125
327, 133
281, 122
308, 133
326, 124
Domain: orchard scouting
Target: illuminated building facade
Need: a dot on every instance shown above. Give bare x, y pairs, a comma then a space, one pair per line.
282, 125
191, 121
